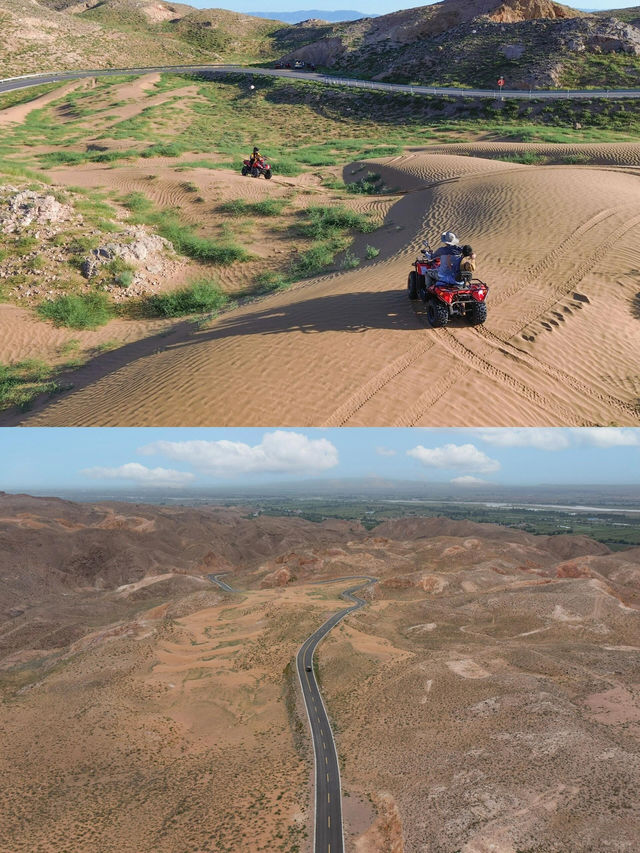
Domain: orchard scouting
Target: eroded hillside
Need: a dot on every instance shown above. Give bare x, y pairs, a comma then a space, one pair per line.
485, 696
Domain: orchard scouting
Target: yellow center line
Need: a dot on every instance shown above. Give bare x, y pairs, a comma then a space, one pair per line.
328, 797
327, 777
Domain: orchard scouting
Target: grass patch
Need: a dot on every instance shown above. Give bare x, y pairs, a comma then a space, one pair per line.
21, 382
184, 239
199, 297
240, 207
325, 222
369, 185
371, 252
78, 311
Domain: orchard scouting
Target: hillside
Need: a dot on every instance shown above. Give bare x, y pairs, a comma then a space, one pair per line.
533, 43
490, 678
58, 34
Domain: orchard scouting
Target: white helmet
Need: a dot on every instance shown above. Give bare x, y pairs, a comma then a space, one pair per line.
449, 238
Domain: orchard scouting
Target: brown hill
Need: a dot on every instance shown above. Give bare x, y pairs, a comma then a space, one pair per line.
491, 678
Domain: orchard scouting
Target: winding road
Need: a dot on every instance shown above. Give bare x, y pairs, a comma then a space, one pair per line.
27, 80
222, 584
328, 831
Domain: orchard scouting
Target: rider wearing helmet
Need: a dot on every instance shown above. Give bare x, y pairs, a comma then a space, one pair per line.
255, 159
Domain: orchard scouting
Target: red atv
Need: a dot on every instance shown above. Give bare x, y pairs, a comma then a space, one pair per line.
464, 298
259, 167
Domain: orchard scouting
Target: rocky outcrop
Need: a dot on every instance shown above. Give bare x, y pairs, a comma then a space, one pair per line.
22, 209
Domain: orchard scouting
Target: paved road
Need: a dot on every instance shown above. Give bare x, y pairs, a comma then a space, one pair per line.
210, 70
328, 810
222, 584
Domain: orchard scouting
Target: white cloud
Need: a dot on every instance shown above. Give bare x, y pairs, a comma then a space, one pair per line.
465, 457
279, 452
141, 475
607, 436
385, 451
542, 438
467, 480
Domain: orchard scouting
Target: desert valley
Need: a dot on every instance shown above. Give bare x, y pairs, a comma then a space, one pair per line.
486, 698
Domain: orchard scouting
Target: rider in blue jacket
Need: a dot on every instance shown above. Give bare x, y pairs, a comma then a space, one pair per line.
450, 256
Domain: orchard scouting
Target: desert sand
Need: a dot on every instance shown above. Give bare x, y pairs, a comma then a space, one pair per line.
557, 244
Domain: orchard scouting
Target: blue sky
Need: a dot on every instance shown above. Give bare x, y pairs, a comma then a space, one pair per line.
177, 458
371, 7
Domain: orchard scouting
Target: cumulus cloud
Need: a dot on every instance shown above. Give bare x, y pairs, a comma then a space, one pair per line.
279, 452
385, 451
607, 436
542, 438
467, 480
455, 457
141, 475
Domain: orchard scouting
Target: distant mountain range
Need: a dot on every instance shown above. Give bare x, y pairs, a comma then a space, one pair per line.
333, 17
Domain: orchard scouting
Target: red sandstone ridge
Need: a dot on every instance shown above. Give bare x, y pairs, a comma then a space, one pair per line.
280, 577
571, 569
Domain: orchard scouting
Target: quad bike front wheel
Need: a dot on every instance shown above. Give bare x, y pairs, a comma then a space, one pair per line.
437, 314
245, 170
478, 314
412, 285
267, 174
255, 172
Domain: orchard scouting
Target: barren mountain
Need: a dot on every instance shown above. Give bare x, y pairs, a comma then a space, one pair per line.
58, 34
533, 43
485, 699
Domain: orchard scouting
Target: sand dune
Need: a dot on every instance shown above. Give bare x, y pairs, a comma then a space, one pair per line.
559, 248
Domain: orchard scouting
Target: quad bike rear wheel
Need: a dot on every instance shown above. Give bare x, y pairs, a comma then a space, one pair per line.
267, 174
412, 285
437, 314
478, 314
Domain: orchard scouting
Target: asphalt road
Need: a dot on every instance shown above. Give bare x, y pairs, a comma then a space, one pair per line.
328, 810
222, 584
546, 94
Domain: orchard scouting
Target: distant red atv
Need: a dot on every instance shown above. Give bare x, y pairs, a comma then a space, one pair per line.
464, 298
260, 167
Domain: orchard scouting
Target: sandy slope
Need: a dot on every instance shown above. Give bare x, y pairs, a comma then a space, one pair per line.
559, 247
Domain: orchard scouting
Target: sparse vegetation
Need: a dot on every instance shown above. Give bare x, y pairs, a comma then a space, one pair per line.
199, 297
78, 310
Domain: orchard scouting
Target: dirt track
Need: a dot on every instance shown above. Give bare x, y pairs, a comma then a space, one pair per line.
558, 246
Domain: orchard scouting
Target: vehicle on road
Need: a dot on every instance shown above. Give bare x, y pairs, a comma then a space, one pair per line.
259, 167
464, 297
308, 668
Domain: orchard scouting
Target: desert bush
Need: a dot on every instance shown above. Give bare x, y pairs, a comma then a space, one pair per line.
78, 311
198, 297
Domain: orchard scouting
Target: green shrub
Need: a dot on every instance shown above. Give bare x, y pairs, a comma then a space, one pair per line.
371, 185
124, 279
267, 282
200, 248
371, 252
313, 261
78, 311
198, 297
325, 221
350, 261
